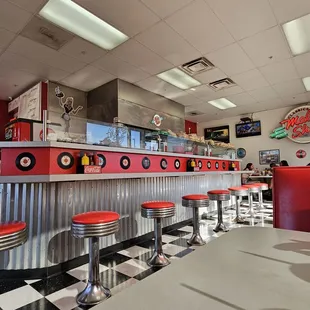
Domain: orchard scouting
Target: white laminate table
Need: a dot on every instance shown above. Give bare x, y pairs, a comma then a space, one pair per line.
247, 268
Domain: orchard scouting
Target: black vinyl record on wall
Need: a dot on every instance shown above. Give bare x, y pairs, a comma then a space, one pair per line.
177, 164
102, 160
146, 163
65, 160
216, 165
125, 162
25, 161
164, 164
209, 165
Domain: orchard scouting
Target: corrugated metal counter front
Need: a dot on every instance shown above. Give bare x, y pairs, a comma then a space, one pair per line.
48, 207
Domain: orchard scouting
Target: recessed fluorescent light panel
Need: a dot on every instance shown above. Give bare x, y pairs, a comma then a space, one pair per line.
306, 82
178, 78
298, 35
222, 104
72, 17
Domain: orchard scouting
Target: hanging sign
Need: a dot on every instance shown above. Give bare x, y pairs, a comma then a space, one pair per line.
157, 120
301, 154
295, 126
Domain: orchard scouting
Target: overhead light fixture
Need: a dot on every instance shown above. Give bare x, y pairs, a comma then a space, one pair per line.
222, 104
193, 89
306, 82
178, 78
297, 33
72, 17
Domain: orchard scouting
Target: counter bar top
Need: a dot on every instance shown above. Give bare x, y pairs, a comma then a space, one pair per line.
105, 176
246, 269
98, 148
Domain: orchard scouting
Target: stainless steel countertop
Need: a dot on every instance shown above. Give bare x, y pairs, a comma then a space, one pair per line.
100, 148
245, 269
104, 176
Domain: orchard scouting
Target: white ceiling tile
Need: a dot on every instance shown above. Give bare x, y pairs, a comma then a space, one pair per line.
42, 70
266, 44
160, 87
250, 80
130, 17
88, 78
230, 91
241, 99
140, 56
296, 99
231, 59
120, 68
164, 8
6, 37
286, 10
32, 6
263, 94
199, 25
279, 72
167, 43
289, 88
204, 91
82, 50
209, 76
271, 104
302, 64
204, 107
186, 99
244, 18
12, 17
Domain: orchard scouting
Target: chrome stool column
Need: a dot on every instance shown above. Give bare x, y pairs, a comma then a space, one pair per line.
238, 192
157, 210
12, 235
195, 202
93, 225
252, 189
219, 196
262, 187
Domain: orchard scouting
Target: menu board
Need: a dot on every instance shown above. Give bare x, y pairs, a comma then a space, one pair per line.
30, 104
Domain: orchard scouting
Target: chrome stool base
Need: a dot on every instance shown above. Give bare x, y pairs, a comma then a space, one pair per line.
220, 227
238, 219
158, 260
93, 294
196, 239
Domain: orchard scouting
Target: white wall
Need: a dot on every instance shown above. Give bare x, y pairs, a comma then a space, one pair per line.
269, 121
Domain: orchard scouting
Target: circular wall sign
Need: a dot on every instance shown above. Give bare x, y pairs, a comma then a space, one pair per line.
301, 154
241, 152
209, 165
146, 163
164, 164
65, 160
223, 165
125, 162
200, 164
177, 164
25, 161
157, 120
102, 160
216, 165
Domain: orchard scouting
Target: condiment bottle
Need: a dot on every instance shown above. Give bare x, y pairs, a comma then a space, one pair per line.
85, 160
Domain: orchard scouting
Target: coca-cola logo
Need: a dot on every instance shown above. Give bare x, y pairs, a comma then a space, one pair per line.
92, 169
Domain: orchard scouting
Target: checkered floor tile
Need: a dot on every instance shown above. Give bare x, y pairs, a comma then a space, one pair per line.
118, 270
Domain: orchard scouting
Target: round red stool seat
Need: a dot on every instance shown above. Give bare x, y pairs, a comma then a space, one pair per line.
238, 191
219, 195
11, 228
95, 217
94, 224
12, 234
195, 201
157, 204
252, 188
262, 186
157, 209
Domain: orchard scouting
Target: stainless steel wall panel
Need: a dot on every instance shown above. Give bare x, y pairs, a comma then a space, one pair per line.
48, 208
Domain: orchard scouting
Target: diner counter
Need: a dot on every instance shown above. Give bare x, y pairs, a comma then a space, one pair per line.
246, 269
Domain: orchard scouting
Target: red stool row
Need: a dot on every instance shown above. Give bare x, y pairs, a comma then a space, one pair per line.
12, 235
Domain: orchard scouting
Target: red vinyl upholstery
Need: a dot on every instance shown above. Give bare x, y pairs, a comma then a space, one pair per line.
95, 217
157, 204
291, 190
195, 197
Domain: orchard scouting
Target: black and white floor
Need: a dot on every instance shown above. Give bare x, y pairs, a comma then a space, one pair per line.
118, 270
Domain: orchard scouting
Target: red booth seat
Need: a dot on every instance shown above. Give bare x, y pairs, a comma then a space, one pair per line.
291, 193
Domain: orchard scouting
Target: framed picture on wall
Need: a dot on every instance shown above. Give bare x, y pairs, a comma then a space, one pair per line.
220, 134
268, 157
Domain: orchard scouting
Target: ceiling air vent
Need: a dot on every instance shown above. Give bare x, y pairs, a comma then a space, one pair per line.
197, 66
194, 113
221, 84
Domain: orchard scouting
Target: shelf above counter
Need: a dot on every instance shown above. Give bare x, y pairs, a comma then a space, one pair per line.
110, 176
